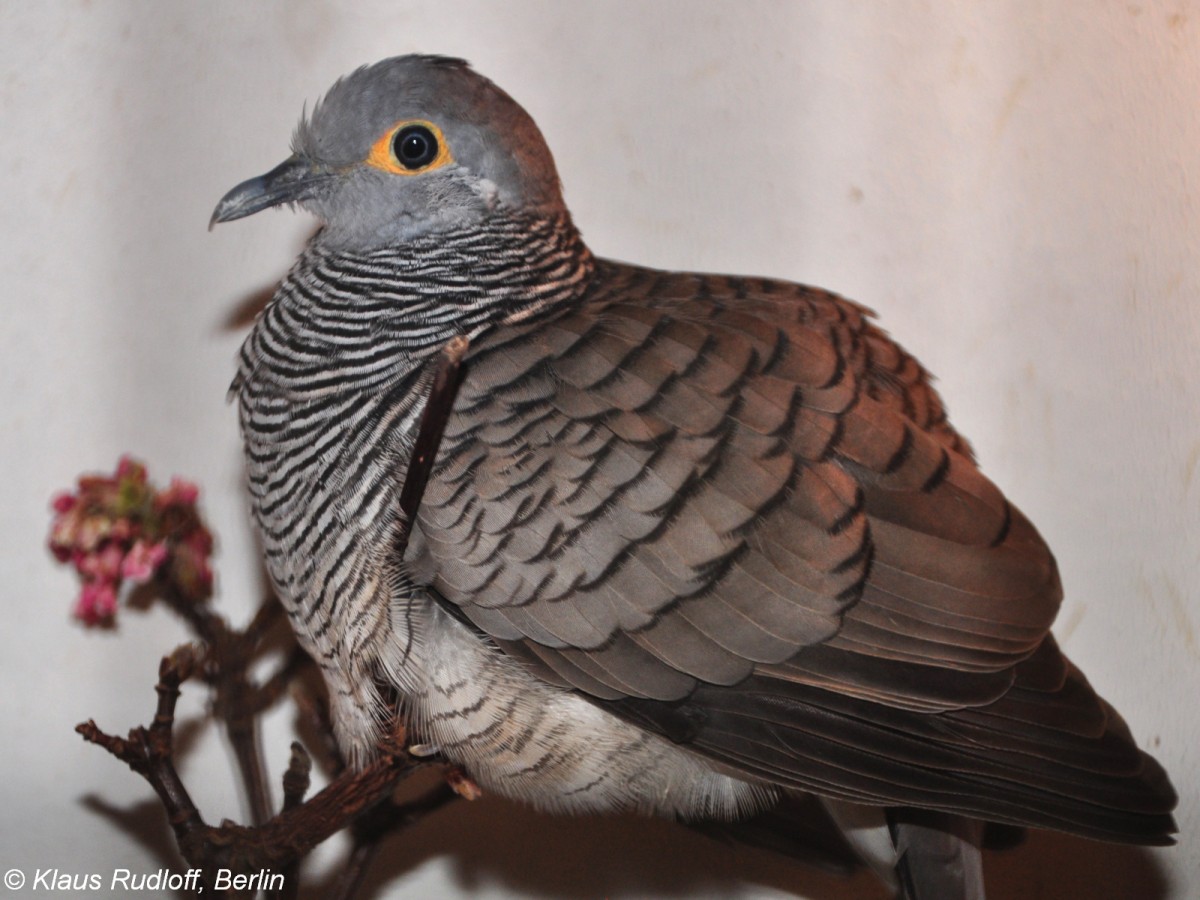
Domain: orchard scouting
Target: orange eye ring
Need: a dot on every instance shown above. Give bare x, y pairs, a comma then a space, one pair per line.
410, 147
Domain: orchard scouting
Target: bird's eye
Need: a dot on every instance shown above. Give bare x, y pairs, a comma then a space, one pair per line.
410, 148
415, 146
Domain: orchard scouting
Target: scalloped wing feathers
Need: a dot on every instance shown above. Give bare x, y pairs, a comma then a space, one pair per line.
742, 498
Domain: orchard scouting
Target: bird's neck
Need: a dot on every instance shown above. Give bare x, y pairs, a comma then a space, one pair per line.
360, 322
425, 291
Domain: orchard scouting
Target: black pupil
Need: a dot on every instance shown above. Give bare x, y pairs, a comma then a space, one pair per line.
415, 146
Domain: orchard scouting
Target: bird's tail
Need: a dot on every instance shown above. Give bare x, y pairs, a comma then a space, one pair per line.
937, 855
920, 854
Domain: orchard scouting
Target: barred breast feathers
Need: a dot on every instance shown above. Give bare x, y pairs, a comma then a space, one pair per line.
330, 384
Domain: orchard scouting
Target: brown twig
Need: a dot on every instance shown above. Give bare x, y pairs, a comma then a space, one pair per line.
296, 781
272, 690
380, 821
277, 844
150, 751
237, 701
293, 833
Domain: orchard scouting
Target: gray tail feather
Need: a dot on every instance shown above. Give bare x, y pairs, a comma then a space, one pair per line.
938, 855
797, 827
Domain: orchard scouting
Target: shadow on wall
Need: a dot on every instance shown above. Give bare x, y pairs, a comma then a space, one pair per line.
499, 846
496, 845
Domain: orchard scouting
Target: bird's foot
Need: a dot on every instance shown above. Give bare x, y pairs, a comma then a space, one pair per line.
462, 783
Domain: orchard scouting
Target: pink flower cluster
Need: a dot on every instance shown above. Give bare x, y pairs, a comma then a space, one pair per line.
118, 528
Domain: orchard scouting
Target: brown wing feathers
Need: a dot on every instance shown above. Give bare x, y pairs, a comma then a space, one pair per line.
742, 497
1058, 759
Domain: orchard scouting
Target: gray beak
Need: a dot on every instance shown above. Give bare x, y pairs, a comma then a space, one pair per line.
293, 179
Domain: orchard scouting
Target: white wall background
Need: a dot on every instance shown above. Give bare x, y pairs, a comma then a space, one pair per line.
1013, 185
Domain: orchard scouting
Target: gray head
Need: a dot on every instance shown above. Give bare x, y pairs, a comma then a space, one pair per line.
407, 146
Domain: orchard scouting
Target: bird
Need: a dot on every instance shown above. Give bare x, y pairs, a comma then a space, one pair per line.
692, 545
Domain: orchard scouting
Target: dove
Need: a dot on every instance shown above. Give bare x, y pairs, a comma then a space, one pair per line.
691, 545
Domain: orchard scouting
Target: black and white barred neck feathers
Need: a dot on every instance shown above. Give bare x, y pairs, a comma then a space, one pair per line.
383, 312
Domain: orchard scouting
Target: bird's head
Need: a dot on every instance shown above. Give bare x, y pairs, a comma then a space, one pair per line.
405, 147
